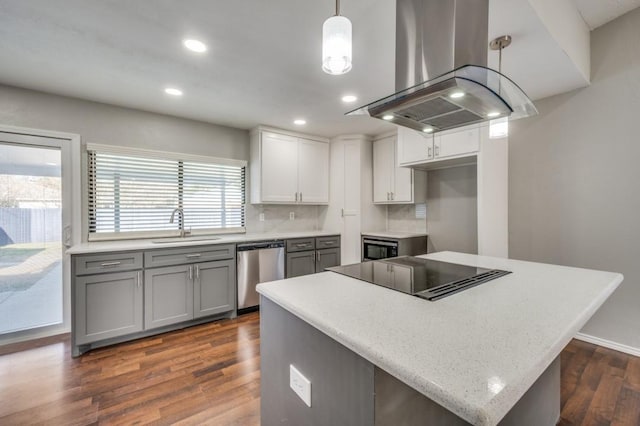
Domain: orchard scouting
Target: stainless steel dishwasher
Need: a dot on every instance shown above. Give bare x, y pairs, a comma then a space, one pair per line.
257, 262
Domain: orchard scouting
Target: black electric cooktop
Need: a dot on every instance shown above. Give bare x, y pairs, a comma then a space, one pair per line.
425, 278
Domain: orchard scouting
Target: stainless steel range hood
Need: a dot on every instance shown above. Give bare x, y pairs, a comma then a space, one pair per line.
442, 80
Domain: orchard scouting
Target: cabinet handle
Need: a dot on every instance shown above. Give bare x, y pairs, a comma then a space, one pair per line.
193, 255
429, 151
437, 150
318, 256
296, 197
197, 272
108, 264
190, 272
392, 196
387, 196
139, 276
301, 197
303, 245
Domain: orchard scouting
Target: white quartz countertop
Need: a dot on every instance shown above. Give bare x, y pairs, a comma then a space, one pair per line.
393, 234
475, 352
148, 244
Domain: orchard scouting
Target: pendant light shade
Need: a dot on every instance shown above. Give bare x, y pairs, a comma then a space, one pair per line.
336, 44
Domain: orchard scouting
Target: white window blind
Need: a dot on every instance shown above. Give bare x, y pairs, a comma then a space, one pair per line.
134, 195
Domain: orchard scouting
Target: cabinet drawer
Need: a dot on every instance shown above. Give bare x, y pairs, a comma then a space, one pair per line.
101, 263
301, 244
181, 256
328, 242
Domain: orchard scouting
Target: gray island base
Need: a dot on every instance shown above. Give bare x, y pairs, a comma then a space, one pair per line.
346, 389
487, 355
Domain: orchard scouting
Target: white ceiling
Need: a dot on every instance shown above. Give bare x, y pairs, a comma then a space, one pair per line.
598, 12
263, 63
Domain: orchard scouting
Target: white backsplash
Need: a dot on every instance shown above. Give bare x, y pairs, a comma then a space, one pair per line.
407, 218
276, 218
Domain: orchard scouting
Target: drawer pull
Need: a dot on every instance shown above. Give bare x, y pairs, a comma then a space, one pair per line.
329, 243
191, 256
303, 245
108, 264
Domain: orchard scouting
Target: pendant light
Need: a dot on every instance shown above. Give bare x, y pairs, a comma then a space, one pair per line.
336, 44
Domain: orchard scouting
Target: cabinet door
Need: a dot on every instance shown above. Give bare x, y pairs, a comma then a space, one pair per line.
279, 168
458, 143
214, 288
313, 171
107, 305
413, 146
383, 169
168, 295
301, 263
402, 189
327, 258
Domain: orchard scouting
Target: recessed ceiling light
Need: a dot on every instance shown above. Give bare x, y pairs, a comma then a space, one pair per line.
195, 45
299, 122
387, 117
493, 114
456, 95
428, 129
173, 91
349, 98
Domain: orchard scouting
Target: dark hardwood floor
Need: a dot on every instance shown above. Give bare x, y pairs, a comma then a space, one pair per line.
210, 374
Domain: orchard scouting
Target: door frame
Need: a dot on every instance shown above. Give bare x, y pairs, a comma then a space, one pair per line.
70, 154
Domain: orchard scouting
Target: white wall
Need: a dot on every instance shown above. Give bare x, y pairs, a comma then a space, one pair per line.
107, 124
574, 178
452, 209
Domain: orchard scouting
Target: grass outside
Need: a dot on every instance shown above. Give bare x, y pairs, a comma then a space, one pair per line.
22, 265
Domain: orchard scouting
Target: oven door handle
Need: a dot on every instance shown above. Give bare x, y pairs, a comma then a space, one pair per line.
380, 243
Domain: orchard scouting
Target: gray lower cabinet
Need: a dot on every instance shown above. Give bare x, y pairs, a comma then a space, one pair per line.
125, 295
214, 288
107, 306
168, 295
307, 256
301, 263
326, 258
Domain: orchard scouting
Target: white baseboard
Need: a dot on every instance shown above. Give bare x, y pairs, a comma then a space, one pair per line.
608, 344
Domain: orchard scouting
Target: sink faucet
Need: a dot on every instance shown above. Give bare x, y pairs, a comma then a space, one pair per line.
183, 233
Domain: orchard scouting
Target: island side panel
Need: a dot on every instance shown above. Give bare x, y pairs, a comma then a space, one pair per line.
398, 404
342, 383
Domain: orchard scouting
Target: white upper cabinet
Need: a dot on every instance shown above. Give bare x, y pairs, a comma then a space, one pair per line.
288, 169
442, 148
463, 142
393, 184
313, 171
279, 168
414, 146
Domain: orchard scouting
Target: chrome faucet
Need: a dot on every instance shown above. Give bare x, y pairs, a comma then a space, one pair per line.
183, 233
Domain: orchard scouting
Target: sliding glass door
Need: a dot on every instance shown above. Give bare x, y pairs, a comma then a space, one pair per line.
32, 290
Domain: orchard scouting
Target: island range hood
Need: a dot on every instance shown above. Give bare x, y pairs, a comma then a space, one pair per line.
442, 79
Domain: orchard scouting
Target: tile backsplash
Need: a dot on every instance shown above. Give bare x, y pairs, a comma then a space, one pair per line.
277, 218
407, 217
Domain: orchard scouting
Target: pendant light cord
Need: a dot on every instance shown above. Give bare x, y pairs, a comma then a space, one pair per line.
337, 7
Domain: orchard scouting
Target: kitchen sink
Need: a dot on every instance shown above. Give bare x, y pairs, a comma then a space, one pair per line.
184, 239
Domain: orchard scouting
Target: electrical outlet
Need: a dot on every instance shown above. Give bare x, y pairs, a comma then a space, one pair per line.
300, 385
292, 215
261, 217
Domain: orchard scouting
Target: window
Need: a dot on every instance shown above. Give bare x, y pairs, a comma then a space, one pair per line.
133, 193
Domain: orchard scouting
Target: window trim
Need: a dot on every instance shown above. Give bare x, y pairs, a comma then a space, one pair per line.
162, 155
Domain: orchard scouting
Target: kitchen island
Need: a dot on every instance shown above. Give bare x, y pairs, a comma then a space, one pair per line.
376, 356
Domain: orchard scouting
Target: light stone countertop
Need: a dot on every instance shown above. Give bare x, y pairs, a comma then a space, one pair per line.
393, 234
475, 352
148, 244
